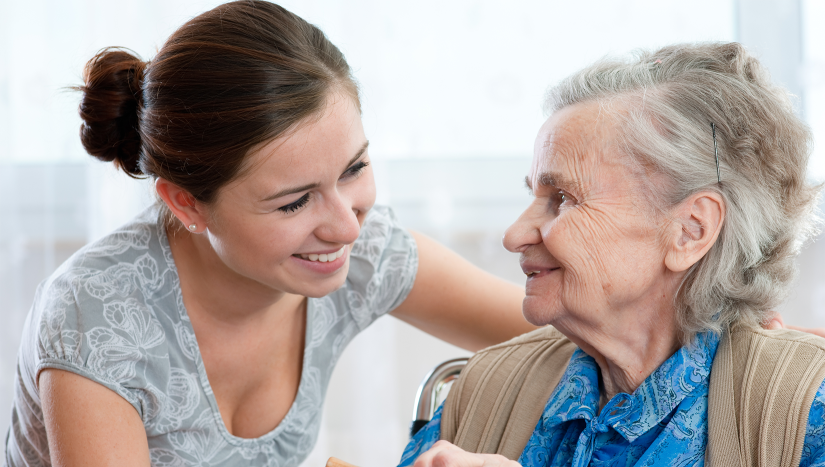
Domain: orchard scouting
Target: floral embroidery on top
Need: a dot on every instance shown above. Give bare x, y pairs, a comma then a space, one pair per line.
114, 313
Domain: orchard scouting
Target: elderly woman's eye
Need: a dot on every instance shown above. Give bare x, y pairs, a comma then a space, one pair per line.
564, 197
560, 199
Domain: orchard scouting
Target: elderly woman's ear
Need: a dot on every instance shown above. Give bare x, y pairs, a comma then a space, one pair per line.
694, 228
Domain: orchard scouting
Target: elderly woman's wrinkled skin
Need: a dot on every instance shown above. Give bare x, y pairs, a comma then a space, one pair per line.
603, 266
603, 263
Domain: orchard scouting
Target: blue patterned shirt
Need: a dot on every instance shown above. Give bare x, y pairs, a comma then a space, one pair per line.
664, 422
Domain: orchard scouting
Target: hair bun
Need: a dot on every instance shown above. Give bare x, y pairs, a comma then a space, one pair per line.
110, 106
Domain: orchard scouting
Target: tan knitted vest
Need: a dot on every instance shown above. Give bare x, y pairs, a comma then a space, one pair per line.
762, 385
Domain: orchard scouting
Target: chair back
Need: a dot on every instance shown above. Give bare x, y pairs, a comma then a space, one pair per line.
433, 390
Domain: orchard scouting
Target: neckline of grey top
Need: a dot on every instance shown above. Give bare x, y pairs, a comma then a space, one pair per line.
114, 314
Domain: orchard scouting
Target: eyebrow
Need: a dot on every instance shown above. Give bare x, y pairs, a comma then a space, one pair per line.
555, 180
289, 191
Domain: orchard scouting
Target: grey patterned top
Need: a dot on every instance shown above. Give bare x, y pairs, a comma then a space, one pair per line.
114, 314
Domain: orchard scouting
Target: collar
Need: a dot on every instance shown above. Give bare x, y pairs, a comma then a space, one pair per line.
631, 415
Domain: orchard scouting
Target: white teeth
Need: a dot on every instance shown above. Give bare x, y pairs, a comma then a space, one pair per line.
325, 257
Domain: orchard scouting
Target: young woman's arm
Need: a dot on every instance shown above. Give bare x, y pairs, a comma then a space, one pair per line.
458, 302
90, 425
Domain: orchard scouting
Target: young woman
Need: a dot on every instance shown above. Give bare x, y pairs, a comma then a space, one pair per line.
205, 332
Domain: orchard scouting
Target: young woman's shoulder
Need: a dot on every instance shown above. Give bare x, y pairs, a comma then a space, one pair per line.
105, 313
112, 313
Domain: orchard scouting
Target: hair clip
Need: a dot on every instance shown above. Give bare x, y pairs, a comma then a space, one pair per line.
715, 152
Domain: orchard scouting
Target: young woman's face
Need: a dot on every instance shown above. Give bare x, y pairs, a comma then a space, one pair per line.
289, 222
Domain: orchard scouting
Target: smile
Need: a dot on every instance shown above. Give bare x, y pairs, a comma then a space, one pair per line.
531, 274
324, 257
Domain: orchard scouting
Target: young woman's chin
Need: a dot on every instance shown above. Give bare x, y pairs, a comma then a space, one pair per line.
320, 290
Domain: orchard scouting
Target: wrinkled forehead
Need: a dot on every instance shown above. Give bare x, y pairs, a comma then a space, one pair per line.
566, 138
572, 142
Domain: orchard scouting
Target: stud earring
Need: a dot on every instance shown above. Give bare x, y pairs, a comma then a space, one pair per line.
193, 227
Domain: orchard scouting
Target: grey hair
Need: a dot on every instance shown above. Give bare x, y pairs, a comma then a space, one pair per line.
664, 103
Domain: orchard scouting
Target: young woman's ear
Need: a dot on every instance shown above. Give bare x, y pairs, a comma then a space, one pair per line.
696, 226
183, 205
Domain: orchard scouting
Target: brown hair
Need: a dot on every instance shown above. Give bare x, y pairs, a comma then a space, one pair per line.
227, 80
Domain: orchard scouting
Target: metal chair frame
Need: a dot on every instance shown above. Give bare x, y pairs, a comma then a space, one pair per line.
426, 400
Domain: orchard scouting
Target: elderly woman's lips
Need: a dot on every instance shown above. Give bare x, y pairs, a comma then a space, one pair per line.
538, 272
537, 265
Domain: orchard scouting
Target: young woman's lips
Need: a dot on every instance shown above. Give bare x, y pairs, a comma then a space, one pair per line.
323, 263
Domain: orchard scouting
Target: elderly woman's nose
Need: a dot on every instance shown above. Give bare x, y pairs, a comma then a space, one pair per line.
522, 234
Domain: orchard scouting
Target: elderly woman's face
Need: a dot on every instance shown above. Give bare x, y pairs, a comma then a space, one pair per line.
588, 241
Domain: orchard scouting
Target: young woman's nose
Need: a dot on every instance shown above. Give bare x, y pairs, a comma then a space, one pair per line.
341, 223
523, 233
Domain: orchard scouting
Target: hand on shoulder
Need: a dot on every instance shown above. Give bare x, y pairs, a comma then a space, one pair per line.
777, 322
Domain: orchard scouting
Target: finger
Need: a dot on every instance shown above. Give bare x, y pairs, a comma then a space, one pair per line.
456, 457
496, 460
774, 324
815, 331
426, 459
775, 321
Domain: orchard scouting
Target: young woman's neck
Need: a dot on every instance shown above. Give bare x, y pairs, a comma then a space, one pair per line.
218, 292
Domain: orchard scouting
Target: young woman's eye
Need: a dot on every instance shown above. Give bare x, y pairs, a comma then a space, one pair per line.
355, 170
292, 207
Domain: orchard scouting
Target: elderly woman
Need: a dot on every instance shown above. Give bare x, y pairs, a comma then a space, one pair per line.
670, 202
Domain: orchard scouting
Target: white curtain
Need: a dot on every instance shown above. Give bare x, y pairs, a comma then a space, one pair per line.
452, 97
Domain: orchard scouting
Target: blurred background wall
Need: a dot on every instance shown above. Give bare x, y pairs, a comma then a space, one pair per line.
452, 95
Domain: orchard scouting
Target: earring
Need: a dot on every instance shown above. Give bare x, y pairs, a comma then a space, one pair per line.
193, 227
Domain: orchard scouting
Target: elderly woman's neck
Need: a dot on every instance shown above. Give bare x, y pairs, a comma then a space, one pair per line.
627, 354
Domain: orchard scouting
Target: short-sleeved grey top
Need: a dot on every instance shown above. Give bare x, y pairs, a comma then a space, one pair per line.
114, 314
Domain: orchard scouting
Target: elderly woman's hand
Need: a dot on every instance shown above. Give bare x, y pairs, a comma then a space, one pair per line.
444, 454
